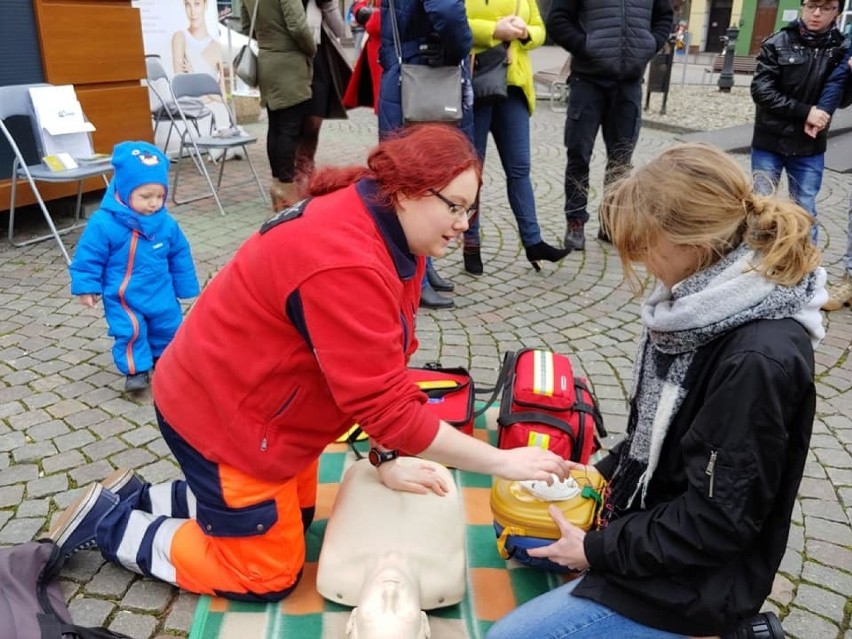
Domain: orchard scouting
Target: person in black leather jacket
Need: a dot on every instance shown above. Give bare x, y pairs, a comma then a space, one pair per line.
611, 43
793, 67
702, 489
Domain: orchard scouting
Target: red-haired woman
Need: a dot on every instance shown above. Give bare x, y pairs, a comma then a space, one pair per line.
308, 329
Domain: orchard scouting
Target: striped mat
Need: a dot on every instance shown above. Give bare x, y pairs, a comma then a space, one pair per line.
494, 587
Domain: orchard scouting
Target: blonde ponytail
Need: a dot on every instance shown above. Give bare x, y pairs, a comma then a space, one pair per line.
780, 231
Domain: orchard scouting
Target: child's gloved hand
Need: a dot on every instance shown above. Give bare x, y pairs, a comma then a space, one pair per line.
88, 299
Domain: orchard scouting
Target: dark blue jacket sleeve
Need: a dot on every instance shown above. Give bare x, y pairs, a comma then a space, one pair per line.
836, 84
449, 19
181, 266
90, 259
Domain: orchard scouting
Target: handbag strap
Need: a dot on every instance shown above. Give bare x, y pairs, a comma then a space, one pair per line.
396, 42
253, 19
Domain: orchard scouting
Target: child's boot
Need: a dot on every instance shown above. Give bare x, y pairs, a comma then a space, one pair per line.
137, 382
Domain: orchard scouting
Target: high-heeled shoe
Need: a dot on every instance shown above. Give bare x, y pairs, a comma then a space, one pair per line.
546, 252
472, 260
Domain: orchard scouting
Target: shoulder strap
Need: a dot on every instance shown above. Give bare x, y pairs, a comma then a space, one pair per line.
253, 19
396, 42
502, 378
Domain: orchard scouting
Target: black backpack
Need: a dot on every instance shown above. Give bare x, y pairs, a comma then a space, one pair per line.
31, 603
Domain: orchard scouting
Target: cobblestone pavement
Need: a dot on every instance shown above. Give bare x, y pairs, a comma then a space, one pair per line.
64, 421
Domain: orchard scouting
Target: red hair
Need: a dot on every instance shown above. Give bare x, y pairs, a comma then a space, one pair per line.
407, 163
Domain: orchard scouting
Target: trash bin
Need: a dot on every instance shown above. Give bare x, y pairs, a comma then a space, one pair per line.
659, 76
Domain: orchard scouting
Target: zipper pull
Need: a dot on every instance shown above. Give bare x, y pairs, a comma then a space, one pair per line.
264, 445
711, 470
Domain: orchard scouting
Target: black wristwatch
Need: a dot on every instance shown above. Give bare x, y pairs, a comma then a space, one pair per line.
378, 457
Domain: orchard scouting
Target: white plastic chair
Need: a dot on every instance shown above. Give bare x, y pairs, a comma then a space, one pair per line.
199, 85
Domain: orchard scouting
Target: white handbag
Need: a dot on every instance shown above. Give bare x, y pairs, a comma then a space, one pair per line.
245, 62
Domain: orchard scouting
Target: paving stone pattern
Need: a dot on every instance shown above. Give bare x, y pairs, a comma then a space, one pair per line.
65, 422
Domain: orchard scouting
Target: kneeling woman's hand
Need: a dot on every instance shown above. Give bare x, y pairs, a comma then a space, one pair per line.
412, 475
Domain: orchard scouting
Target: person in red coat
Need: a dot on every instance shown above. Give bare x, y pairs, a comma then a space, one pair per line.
363, 89
306, 331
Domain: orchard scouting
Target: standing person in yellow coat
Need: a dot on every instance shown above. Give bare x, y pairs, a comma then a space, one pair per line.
517, 26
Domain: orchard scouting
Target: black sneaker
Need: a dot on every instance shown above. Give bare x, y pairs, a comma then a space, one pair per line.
575, 238
75, 528
764, 625
136, 383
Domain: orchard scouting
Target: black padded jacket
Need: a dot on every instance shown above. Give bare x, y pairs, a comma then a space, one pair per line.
704, 551
610, 39
787, 82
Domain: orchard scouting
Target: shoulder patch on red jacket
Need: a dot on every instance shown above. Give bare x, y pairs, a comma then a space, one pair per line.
285, 215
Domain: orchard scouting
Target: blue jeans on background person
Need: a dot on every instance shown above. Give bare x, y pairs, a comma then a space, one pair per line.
560, 615
617, 111
804, 178
509, 122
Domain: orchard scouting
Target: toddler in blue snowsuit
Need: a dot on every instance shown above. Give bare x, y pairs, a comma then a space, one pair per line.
134, 254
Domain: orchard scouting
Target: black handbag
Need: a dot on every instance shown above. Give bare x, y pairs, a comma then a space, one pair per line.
489, 74
427, 94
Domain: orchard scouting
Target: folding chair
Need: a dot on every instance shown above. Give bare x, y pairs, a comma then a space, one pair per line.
15, 101
165, 109
197, 85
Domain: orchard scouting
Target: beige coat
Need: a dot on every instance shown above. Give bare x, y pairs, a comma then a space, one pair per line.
286, 51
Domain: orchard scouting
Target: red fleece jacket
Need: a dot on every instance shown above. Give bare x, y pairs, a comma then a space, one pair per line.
240, 383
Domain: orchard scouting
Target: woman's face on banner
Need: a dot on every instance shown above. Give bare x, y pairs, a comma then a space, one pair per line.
194, 11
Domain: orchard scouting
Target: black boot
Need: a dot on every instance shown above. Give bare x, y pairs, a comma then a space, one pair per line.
765, 625
546, 252
472, 260
431, 299
436, 281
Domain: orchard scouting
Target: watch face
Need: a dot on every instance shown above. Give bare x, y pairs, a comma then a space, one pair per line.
374, 457
378, 457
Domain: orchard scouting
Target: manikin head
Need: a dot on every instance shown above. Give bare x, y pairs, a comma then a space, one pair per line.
389, 607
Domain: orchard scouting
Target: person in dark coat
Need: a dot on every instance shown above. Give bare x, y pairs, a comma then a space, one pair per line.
286, 49
331, 77
433, 32
702, 488
611, 43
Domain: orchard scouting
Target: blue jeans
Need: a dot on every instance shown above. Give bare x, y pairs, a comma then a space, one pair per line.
560, 615
804, 178
509, 123
615, 110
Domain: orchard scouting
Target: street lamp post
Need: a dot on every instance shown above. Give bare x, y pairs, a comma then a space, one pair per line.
726, 76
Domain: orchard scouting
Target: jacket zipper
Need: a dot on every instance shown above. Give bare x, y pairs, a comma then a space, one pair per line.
264, 442
710, 471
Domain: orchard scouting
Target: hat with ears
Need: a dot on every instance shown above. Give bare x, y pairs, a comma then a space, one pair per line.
137, 163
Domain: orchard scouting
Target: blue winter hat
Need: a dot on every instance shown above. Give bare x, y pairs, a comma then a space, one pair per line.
137, 163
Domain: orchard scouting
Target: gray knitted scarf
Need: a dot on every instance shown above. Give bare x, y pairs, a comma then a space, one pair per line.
677, 323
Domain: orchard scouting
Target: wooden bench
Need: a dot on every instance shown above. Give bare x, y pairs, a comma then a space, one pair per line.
556, 81
743, 64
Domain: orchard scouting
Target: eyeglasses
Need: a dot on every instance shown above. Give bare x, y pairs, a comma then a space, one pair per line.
813, 8
456, 210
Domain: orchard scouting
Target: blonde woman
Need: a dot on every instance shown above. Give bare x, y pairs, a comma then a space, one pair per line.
702, 488
517, 26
